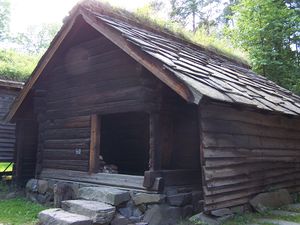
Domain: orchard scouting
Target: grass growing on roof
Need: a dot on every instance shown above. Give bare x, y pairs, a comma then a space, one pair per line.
146, 18
19, 211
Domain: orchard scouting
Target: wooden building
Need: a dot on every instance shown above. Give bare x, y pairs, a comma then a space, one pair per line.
8, 92
165, 112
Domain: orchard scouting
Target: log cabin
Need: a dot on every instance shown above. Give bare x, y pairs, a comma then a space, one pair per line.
115, 101
8, 92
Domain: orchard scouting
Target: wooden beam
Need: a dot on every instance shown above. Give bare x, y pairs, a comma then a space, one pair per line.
94, 144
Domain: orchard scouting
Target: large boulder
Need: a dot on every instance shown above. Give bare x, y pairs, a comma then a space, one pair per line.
163, 215
202, 218
275, 199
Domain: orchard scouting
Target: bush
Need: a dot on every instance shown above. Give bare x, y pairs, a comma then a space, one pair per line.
15, 65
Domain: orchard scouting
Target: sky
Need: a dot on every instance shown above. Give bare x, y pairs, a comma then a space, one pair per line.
33, 12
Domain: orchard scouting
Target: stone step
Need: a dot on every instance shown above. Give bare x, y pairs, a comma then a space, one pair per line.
98, 212
111, 196
277, 222
61, 217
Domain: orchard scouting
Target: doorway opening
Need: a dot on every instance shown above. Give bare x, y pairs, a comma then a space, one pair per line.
124, 144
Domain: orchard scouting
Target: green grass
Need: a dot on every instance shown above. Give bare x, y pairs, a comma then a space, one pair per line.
19, 211
4, 165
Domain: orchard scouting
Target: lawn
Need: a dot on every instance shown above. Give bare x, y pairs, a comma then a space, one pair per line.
4, 165
19, 211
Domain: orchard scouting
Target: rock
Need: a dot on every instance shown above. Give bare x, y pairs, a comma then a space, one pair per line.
142, 208
162, 215
180, 199
283, 213
143, 198
142, 223
32, 185
120, 220
293, 206
135, 219
103, 194
127, 210
42, 186
274, 199
11, 195
61, 217
137, 212
43, 199
187, 211
276, 222
203, 218
221, 212
99, 212
238, 209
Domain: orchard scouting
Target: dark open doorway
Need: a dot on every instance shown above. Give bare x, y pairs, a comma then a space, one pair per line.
125, 142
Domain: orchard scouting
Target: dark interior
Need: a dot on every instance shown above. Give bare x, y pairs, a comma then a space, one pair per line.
125, 142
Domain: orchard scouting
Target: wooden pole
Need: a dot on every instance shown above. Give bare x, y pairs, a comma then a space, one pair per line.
94, 144
155, 142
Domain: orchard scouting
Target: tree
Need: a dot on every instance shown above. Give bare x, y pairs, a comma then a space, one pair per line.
269, 31
4, 18
200, 12
37, 38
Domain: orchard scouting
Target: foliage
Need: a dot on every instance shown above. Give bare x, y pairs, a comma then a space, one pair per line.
214, 42
4, 165
19, 212
268, 30
200, 12
4, 18
16, 66
37, 38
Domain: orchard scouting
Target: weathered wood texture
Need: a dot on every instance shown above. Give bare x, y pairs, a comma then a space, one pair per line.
26, 134
93, 77
7, 130
246, 152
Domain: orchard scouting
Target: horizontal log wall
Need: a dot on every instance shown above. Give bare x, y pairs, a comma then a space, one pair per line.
245, 153
7, 130
93, 77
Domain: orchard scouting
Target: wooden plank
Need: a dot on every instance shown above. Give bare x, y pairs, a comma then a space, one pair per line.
117, 180
94, 144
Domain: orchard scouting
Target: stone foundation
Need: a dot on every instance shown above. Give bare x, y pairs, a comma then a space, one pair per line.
132, 207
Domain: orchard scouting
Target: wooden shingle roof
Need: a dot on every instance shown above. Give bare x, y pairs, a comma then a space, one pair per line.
190, 70
210, 75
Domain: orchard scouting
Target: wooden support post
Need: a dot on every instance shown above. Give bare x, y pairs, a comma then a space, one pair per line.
94, 144
155, 142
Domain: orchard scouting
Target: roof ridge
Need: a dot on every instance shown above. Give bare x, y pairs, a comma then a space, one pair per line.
96, 6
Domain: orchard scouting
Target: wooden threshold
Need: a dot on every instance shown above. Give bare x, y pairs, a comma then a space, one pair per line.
114, 180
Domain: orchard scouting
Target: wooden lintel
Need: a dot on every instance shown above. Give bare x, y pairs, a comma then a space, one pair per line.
94, 144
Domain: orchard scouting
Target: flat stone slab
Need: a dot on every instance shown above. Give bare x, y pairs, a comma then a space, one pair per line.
283, 213
99, 212
144, 198
277, 222
103, 194
61, 217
